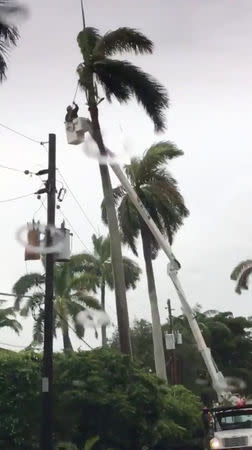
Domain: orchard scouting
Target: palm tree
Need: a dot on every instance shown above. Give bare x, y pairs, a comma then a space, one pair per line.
241, 274
6, 321
159, 192
122, 80
71, 297
8, 33
99, 265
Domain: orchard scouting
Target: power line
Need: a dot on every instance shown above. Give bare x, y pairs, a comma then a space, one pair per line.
14, 295
16, 198
63, 318
70, 224
71, 328
26, 172
12, 345
21, 134
77, 201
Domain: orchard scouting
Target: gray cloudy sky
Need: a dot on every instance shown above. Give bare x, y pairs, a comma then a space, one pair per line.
203, 56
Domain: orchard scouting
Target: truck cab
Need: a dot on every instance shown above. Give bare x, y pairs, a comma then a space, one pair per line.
231, 428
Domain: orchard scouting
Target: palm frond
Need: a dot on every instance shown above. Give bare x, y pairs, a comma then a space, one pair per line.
5, 321
8, 33
3, 66
11, 323
108, 275
123, 40
124, 80
24, 284
79, 329
80, 261
154, 158
38, 329
132, 272
241, 274
239, 269
101, 247
83, 299
87, 281
129, 223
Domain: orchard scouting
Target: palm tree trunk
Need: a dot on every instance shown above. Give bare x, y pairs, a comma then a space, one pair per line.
115, 239
159, 355
67, 344
103, 330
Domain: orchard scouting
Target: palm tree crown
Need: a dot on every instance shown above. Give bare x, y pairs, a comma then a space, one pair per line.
158, 191
121, 79
98, 266
71, 297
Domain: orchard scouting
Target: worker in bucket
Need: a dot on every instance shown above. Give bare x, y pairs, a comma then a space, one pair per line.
72, 113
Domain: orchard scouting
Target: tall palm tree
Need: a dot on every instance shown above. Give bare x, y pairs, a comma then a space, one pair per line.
99, 265
71, 297
8, 33
241, 274
6, 321
122, 80
159, 192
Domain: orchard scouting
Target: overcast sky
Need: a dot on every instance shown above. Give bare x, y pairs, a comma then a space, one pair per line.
203, 56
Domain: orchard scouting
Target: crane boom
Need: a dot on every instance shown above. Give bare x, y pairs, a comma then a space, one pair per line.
217, 378
218, 381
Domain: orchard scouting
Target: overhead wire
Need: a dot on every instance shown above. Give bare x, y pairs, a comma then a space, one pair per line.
75, 232
17, 198
26, 172
67, 322
70, 224
43, 144
77, 202
71, 328
12, 345
22, 135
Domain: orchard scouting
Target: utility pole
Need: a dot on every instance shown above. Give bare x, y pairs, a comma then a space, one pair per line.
173, 361
46, 439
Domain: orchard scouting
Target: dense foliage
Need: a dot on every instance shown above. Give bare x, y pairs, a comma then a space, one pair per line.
228, 337
99, 393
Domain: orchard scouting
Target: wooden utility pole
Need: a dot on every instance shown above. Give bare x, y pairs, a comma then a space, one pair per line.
46, 439
173, 361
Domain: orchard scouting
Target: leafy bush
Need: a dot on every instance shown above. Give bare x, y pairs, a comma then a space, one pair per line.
99, 393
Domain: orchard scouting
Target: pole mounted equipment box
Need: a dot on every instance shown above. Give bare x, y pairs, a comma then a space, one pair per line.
170, 341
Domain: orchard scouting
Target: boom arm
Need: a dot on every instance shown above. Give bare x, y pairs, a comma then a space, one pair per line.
218, 380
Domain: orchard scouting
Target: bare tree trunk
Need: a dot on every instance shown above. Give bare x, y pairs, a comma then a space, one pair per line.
103, 330
115, 239
158, 344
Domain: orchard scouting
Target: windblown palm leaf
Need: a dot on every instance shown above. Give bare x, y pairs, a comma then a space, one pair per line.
122, 79
6, 321
241, 274
8, 33
123, 40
